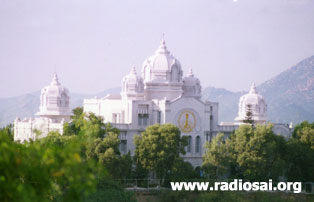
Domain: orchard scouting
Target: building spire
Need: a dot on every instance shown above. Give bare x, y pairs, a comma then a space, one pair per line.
162, 49
55, 80
190, 74
253, 89
133, 71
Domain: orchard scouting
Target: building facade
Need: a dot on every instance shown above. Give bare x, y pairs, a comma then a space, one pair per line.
160, 94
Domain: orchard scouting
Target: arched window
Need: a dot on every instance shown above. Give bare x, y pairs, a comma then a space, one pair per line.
189, 146
198, 144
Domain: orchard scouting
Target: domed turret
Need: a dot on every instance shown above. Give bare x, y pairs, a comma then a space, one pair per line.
257, 105
162, 75
191, 85
132, 86
162, 66
55, 101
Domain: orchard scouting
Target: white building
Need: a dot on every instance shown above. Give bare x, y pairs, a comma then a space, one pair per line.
160, 95
54, 110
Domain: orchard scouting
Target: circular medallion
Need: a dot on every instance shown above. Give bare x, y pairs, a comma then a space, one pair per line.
187, 121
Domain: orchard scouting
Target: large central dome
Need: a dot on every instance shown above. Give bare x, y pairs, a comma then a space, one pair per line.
162, 66
162, 75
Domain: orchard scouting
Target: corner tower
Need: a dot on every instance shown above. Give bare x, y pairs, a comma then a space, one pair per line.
132, 86
257, 104
55, 101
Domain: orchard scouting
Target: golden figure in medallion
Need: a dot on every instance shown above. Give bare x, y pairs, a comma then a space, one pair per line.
187, 121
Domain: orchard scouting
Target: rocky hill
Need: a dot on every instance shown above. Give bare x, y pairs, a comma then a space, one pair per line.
289, 95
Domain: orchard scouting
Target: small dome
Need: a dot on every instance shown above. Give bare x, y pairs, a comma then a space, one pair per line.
54, 99
132, 85
162, 66
191, 85
257, 104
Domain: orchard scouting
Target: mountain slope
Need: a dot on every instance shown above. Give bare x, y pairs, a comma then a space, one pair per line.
228, 102
289, 95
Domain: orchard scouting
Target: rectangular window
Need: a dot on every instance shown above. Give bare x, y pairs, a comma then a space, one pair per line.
143, 111
198, 144
209, 137
189, 146
159, 117
145, 119
140, 119
211, 122
123, 146
122, 135
123, 142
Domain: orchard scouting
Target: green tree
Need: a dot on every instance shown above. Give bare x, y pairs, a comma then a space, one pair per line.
182, 171
75, 126
305, 133
300, 164
249, 115
217, 159
250, 153
65, 168
8, 131
45, 170
259, 152
300, 153
158, 147
87, 124
106, 152
101, 143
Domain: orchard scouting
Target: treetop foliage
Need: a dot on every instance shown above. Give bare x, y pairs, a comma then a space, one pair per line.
62, 168
257, 154
158, 147
81, 164
45, 170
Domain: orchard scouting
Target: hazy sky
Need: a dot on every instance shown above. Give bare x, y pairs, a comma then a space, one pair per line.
94, 43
